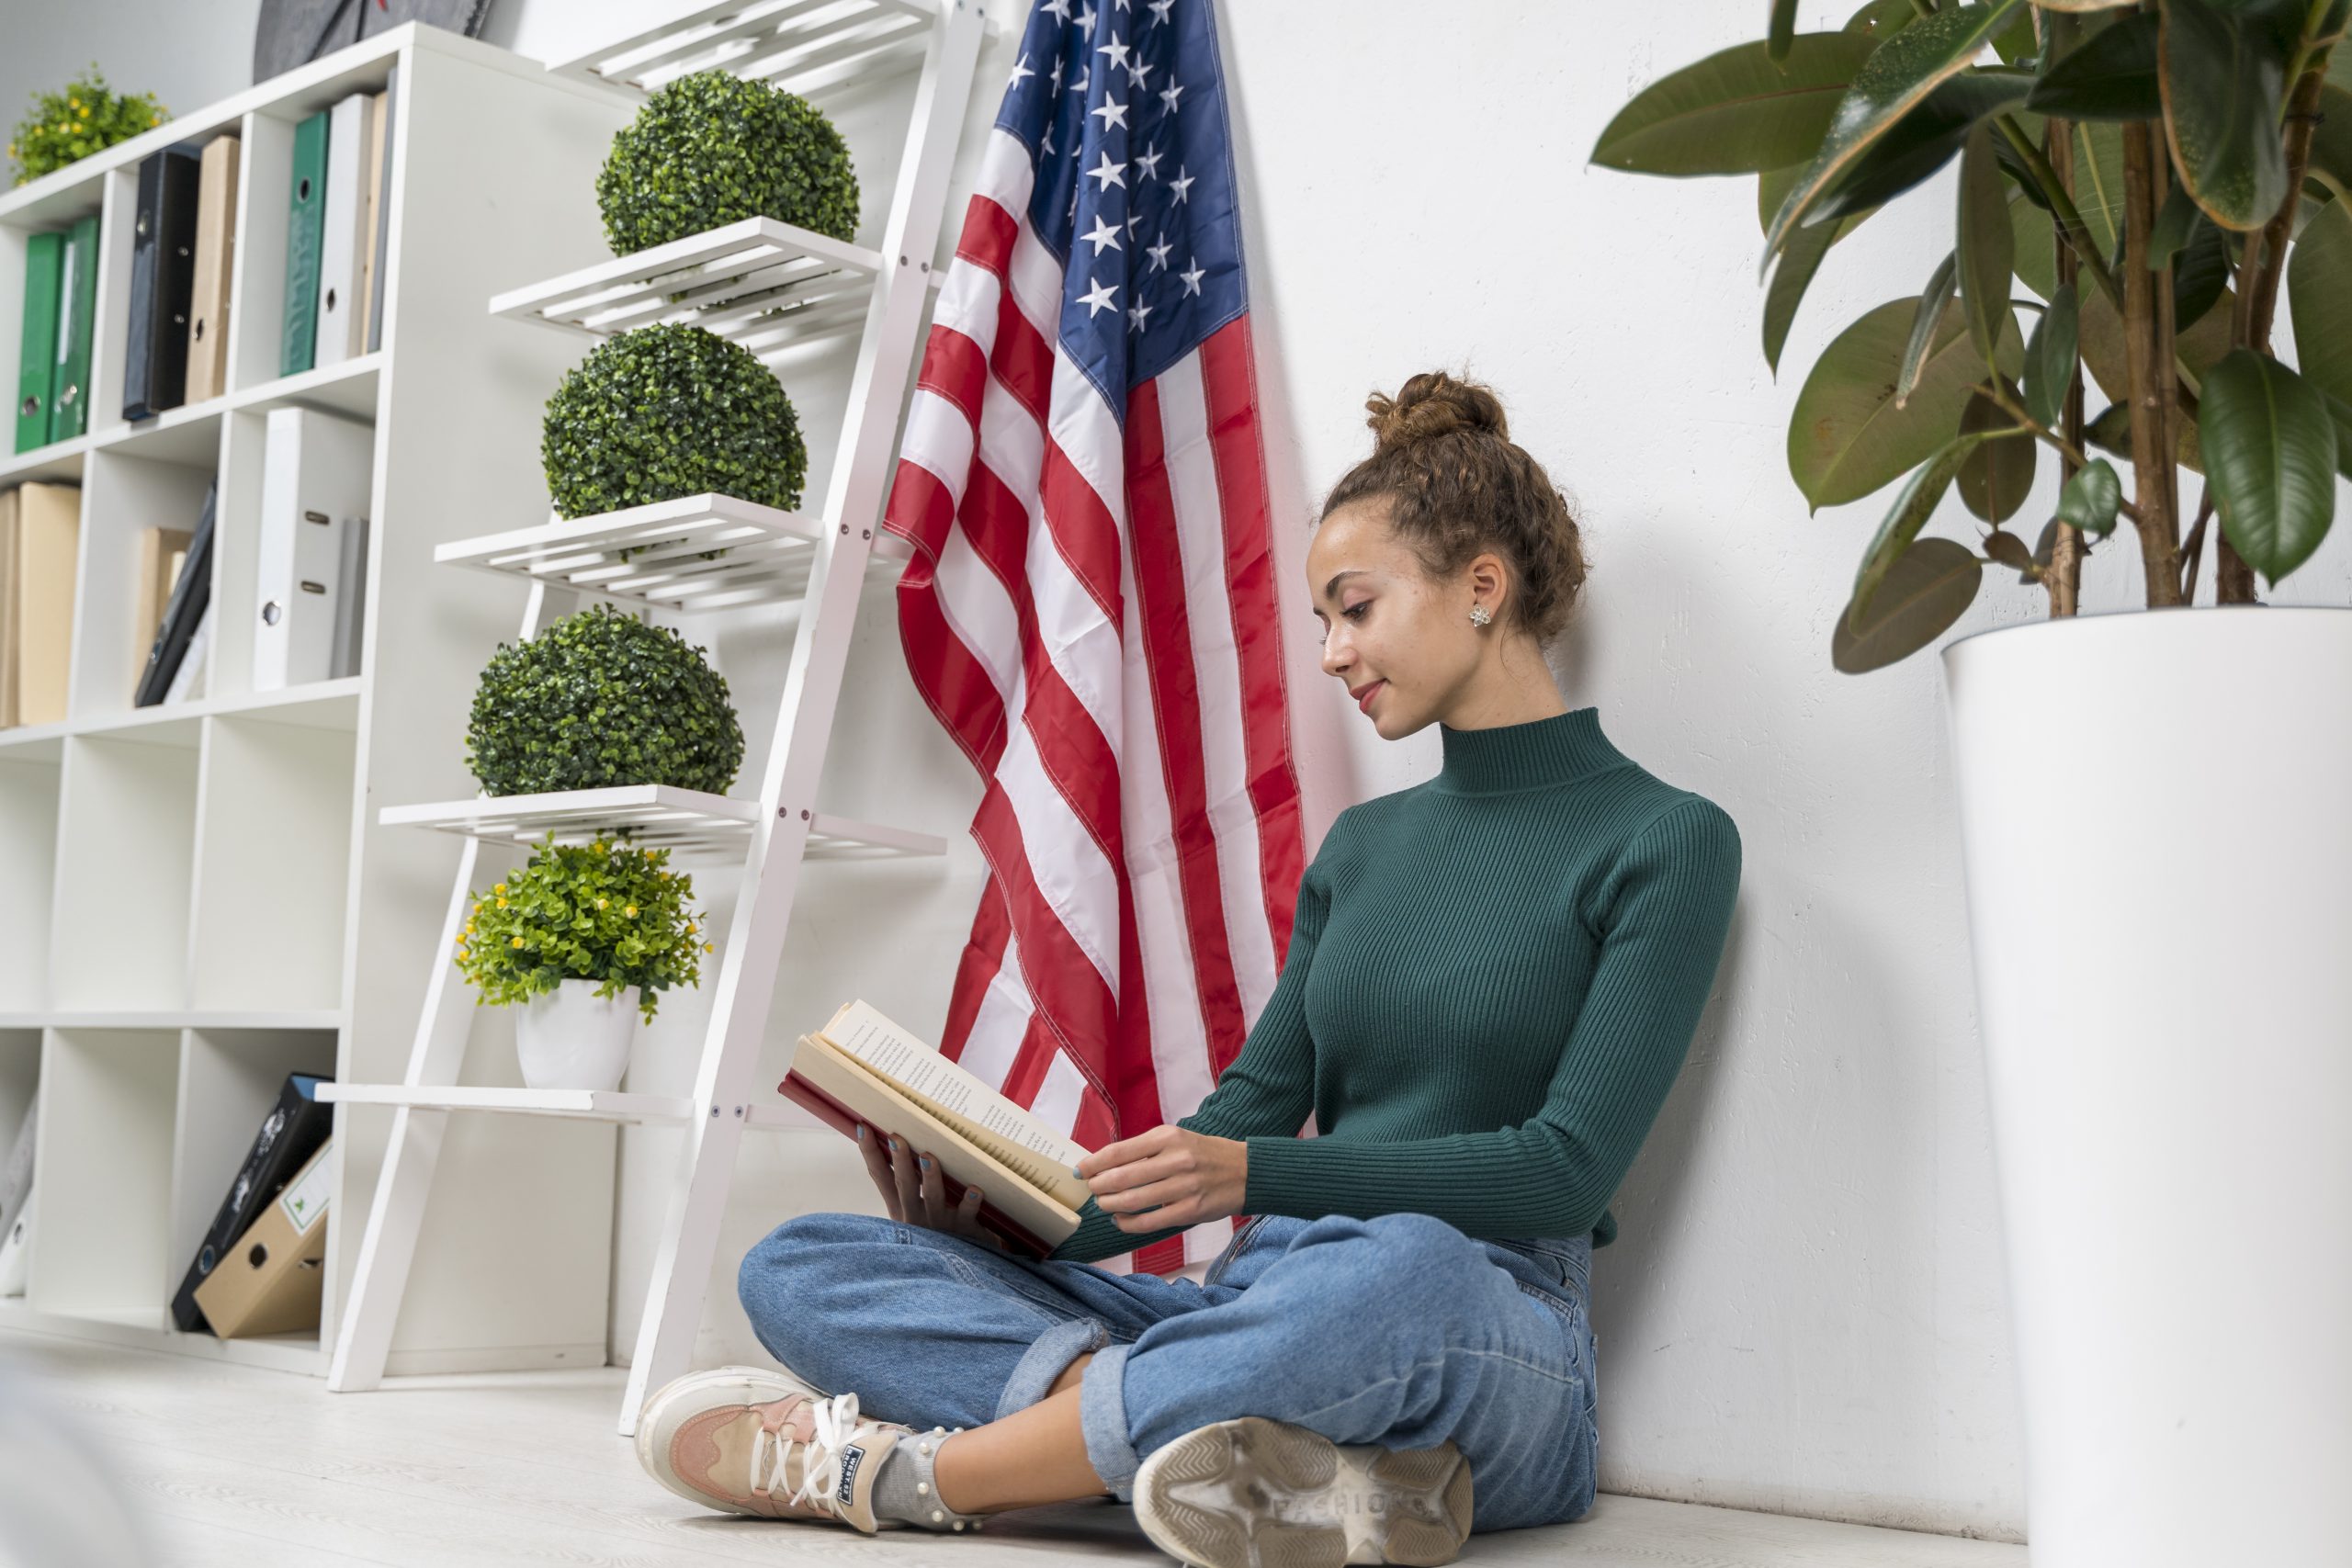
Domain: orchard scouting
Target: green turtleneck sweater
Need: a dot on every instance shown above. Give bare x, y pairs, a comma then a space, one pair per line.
1493, 979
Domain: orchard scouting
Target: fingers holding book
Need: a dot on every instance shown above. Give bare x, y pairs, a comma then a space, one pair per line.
915, 1190
1167, 1175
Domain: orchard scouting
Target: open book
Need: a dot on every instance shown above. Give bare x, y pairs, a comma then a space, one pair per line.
863, 1067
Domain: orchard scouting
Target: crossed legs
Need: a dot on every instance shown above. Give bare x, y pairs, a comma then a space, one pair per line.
1030, 1456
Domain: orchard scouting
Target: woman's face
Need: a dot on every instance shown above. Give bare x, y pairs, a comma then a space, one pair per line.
1405, 647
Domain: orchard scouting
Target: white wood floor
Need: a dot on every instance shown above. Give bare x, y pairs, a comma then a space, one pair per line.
237, 1466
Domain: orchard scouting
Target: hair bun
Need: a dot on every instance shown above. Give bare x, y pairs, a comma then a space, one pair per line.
1433, 404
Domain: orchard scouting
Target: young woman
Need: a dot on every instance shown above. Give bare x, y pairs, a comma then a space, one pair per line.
1492, 981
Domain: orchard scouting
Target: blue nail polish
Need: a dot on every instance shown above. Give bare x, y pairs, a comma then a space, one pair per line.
926, 1162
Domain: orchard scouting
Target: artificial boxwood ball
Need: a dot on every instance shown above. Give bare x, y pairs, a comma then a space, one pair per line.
597, 699
712, 148
670, 410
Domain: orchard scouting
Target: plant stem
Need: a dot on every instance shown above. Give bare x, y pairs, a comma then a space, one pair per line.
2191, 551
2071, 227
2148, 354
2064, 575
2069, 448
2303, 118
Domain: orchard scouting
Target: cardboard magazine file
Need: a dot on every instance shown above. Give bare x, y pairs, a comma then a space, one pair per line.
272, 1279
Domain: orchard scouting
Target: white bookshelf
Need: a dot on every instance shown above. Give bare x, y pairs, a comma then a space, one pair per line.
202, 898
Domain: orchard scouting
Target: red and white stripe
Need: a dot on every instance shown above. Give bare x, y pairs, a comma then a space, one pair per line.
1092, 616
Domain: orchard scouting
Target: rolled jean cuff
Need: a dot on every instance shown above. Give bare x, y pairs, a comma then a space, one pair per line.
1102, 1420
1046, 1359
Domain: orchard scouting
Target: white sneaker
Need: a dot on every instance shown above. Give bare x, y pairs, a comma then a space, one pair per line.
1250, 1492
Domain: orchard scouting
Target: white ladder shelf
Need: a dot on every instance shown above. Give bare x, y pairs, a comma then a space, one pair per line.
767, 286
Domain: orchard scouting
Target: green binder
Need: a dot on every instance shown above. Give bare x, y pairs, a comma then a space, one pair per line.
37, 357
69, 404
305, 232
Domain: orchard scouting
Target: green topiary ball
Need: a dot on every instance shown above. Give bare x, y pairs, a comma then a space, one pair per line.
670, 410
597, 699
712, 148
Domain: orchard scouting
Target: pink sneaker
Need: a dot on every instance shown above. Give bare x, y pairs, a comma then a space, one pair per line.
745, 1441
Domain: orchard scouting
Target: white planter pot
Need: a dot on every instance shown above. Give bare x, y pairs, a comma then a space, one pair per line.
572, 1038
2155, 813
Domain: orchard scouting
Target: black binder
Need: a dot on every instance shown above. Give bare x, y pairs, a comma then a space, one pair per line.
289, 1134
163, 281
191, 593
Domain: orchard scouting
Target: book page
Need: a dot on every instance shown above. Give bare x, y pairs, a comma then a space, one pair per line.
842, 1091
1041, 1156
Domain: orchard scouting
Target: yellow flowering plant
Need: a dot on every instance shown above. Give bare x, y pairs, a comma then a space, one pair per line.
86, 117
605, 911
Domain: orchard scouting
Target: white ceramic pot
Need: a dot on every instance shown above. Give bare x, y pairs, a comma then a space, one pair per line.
2155, 813
572, 1038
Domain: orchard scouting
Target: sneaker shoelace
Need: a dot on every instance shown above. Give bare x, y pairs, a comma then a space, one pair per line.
837, 1426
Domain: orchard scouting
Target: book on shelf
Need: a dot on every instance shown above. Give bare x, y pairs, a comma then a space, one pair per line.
270, 1279
54, 348
191, 597
77, 304
305, 232
350, 600
317, 471
296, 1127
371, 217
343, 232
216, 241
37, 347
163, 277
191, 669
9, 503
16, 1169
382, 242
162, 552
40, 531
17, 1245
862, 1068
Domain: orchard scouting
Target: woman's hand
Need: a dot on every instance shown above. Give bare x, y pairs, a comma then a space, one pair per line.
1169, 1175
916, 1192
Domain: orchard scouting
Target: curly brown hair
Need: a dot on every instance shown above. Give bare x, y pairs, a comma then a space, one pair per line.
1456, 484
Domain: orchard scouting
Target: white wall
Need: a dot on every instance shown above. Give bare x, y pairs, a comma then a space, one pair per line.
1805, 1313
187, 55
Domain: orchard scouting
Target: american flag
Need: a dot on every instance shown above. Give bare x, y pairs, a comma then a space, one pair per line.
1091, 604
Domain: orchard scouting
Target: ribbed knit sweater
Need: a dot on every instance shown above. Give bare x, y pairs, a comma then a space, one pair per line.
1493, 979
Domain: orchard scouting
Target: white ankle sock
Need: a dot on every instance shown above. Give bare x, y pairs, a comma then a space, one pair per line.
907, 1489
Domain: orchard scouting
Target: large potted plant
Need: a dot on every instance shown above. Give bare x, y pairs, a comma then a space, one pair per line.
2164, 993
584, 937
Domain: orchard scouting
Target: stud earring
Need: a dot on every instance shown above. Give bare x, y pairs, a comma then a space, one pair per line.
1480, 614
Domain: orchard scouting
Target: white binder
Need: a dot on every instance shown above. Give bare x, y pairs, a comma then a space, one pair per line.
317, 471
349, 131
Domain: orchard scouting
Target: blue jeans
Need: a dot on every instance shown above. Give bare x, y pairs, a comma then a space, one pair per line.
1398, 1330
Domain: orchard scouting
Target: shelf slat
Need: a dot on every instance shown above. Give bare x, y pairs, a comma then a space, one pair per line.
754, 280
653, 816
810, 47
689, 822
580, 1104
762, 555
